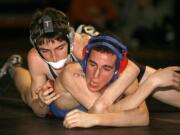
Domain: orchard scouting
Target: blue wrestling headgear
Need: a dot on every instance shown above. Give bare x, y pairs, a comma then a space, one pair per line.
49, 24
118, 48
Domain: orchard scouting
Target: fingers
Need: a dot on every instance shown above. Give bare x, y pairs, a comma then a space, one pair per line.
48, 96
70, 124
72, 119
71, 113
48, 84
48, 91
176, 81
176, 68
78, 118
176, 76
37, 90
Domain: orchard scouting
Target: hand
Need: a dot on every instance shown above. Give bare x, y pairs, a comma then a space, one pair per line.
167, 77
46, 93
77, 118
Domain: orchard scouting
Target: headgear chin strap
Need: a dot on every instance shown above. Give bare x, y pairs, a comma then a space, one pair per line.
118, 48
57, 65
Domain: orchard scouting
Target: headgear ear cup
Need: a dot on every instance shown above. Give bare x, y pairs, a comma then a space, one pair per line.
85, 54
123, 63
70, 36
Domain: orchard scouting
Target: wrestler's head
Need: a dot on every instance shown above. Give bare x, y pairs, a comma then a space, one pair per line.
51, 35
103, 61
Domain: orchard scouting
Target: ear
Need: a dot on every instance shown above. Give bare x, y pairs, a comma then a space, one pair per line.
123, 63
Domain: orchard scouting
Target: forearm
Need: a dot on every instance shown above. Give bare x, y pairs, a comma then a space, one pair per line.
135, 117
117, 87
74, 82
168, 96
134, 100
39, 108
66, 101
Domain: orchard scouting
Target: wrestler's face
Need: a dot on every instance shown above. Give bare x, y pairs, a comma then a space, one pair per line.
100, 69
54, 50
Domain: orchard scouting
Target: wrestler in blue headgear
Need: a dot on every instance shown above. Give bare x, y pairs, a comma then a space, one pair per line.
111, 43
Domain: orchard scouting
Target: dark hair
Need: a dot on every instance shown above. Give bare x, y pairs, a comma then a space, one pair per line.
102, 49
60, 24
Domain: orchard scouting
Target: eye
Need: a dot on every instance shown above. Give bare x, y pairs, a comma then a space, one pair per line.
107, 68
43, 50
60, 47
92, 64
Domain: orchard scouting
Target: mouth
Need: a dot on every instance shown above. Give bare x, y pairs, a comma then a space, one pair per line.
93, 85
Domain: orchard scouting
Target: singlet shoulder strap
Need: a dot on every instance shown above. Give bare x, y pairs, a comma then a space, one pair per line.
73, 58
52, 72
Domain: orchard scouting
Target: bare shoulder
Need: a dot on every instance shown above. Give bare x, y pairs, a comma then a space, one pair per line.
132, 66
33, 55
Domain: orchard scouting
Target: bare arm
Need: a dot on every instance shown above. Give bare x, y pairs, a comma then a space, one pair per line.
170, 96
160, 80
167, 95
38, 78
113, 117
117, 87
66, 100
135, 117
73, 80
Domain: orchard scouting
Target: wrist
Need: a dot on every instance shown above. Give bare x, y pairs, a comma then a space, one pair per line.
152, 82
41, 104
39, 110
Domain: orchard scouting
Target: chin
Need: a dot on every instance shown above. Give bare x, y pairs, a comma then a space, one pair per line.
94, 89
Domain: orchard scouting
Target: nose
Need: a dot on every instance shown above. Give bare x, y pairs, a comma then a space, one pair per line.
96, 73
53, 56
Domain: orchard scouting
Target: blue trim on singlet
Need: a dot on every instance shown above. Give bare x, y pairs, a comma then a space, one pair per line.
60, 113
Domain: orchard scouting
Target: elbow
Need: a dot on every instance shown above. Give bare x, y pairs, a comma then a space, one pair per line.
39, 114
134, 67
144, 117
66, 75
145, 121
